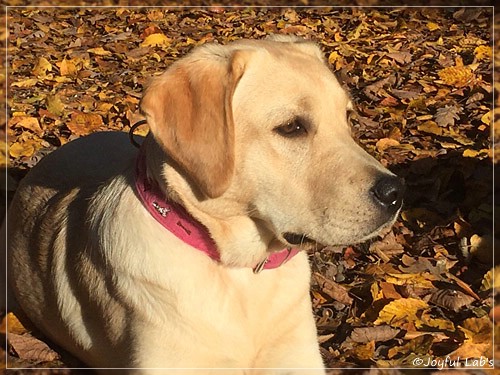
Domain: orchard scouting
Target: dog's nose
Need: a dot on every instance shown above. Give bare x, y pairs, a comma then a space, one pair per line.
388, 192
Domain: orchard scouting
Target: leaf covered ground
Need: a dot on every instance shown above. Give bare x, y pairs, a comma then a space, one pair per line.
422, 82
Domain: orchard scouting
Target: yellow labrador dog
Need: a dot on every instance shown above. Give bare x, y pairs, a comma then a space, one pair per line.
189, 253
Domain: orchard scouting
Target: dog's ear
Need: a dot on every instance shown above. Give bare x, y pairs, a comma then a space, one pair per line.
189, 112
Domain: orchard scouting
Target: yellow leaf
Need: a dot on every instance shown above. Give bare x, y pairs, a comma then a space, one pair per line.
427, 320
420, 280
68, 68
483, 52
29, 82
333, 57
99, 51
482, 248
366, 351
156, 39
104, 107
376, 292
430, 127
457, 76
13, 324
62, 79
42, 67
26, 122
4, 159
399, 312
491, 279
20, 149
486, 118
478, 338
384, 143
54, 105
469, 153
433, 26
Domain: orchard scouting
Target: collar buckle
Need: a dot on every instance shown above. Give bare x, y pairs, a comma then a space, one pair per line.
260, 266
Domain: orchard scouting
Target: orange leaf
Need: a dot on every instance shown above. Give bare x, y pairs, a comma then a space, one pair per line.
84, 123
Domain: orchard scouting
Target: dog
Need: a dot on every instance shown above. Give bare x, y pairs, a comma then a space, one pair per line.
191, 252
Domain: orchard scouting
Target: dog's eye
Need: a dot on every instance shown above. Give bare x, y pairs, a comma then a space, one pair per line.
292, 129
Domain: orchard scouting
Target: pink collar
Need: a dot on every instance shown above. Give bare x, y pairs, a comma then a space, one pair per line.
177, 220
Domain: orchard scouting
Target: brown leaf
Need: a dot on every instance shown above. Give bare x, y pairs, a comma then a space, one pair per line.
447, 115
30, 348
450, 299
334, 290
379, 333
387, 245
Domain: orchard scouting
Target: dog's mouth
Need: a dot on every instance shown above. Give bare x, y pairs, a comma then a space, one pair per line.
297, 239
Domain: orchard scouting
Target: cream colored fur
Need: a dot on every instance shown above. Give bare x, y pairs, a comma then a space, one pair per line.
98, 275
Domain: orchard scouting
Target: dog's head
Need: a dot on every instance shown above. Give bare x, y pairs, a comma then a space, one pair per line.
262, 126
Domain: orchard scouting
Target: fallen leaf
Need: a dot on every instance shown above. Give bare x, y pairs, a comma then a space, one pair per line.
21, 149
379, 333
400, 312
26, 122
334, 290
447, 115
84, 123
30, 348
430, 127
427, 320
11, 323
157, 39
55, 105
68, 68
387, 245
99, 51
482, 248
457, 76
385, 143
28, 82
42, 67
483, 53
450, 299
433, 26
491, 279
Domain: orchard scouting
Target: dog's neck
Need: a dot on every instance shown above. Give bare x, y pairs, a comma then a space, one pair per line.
232, 239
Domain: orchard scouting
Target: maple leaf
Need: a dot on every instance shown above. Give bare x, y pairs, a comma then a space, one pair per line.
447, 115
